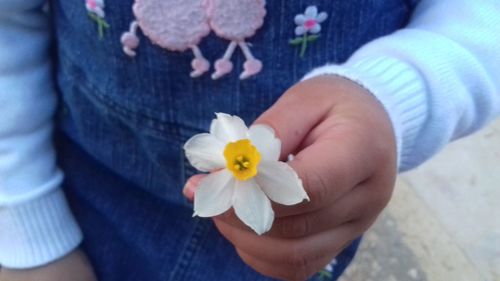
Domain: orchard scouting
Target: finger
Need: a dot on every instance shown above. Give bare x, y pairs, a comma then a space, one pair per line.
366, 201
296, 113
231, 219
350, 207
295, 252
283, 271
329, 168
191, 185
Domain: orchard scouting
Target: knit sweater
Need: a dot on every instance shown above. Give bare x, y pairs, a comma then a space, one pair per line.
435, 78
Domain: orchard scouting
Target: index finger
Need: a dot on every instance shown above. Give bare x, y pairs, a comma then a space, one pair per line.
329, 168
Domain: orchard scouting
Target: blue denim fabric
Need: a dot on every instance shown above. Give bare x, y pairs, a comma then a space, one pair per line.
123, 122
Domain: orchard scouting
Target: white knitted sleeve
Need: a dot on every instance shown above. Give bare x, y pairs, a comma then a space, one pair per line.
36, 225
439, 78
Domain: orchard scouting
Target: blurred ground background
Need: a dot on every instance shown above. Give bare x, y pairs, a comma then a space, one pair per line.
443, 222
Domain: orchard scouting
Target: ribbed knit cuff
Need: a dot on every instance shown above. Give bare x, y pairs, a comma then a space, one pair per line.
398, 86
37, 232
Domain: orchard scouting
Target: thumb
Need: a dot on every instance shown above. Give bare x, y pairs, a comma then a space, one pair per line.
297, 112
191, 186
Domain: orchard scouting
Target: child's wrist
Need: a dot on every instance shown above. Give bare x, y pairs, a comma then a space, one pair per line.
400, 89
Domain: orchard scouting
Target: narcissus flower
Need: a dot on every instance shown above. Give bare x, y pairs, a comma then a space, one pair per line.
245, 172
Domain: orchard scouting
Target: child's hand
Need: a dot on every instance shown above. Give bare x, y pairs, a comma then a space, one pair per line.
345, 153
74, 267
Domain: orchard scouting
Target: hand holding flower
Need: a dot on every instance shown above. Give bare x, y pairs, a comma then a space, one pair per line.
246, 171
346, 157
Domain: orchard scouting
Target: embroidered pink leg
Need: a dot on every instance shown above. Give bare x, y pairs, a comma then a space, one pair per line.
224, 65
200, 64
129, 40
252, 65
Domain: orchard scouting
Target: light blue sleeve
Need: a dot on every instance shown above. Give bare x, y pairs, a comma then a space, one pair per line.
438, 78
36, 225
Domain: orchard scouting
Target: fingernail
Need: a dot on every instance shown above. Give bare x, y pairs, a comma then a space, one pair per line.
189, 190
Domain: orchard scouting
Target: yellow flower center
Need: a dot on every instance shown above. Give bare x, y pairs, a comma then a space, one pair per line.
242, 159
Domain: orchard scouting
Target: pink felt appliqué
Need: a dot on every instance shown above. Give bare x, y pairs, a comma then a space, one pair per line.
180, 25
235, 21
175, 25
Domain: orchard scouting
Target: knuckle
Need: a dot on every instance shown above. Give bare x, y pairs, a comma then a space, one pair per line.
319, 189
294, 227
298, 275
300, 265
381, 198
314, 183
297, 257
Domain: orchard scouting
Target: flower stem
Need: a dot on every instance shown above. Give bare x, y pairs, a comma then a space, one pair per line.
304, 46
101, 24
324, 275
100, 29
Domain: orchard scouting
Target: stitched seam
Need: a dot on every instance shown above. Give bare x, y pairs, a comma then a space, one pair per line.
189, 250
124, 113
95, 91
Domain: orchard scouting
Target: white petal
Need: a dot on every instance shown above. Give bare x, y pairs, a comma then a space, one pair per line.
300, 19
300, 30
99, 12
228, 128
265, 141
252, 206
311, 12
321, 17
205, 152
316, 29
214, 195
281, 183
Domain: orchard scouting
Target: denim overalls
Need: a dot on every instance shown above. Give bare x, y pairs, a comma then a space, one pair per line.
122, 123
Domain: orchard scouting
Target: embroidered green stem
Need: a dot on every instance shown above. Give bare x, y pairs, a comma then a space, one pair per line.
303, 42
101, 24
324, 275
304, 46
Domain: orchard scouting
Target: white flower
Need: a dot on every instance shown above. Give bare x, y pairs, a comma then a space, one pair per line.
310, 21
246, 172
328, 268
95, 6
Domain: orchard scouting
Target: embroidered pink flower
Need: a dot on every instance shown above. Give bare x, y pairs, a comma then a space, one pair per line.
308, 27
95, 9
310, 21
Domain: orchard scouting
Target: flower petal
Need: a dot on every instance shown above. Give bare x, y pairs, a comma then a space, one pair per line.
300, 19
264, 139
281, 183
205, 152
228, 128
214, 195
321, 17
316, 29
252, 206
99, 12
311, 12
300, 30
